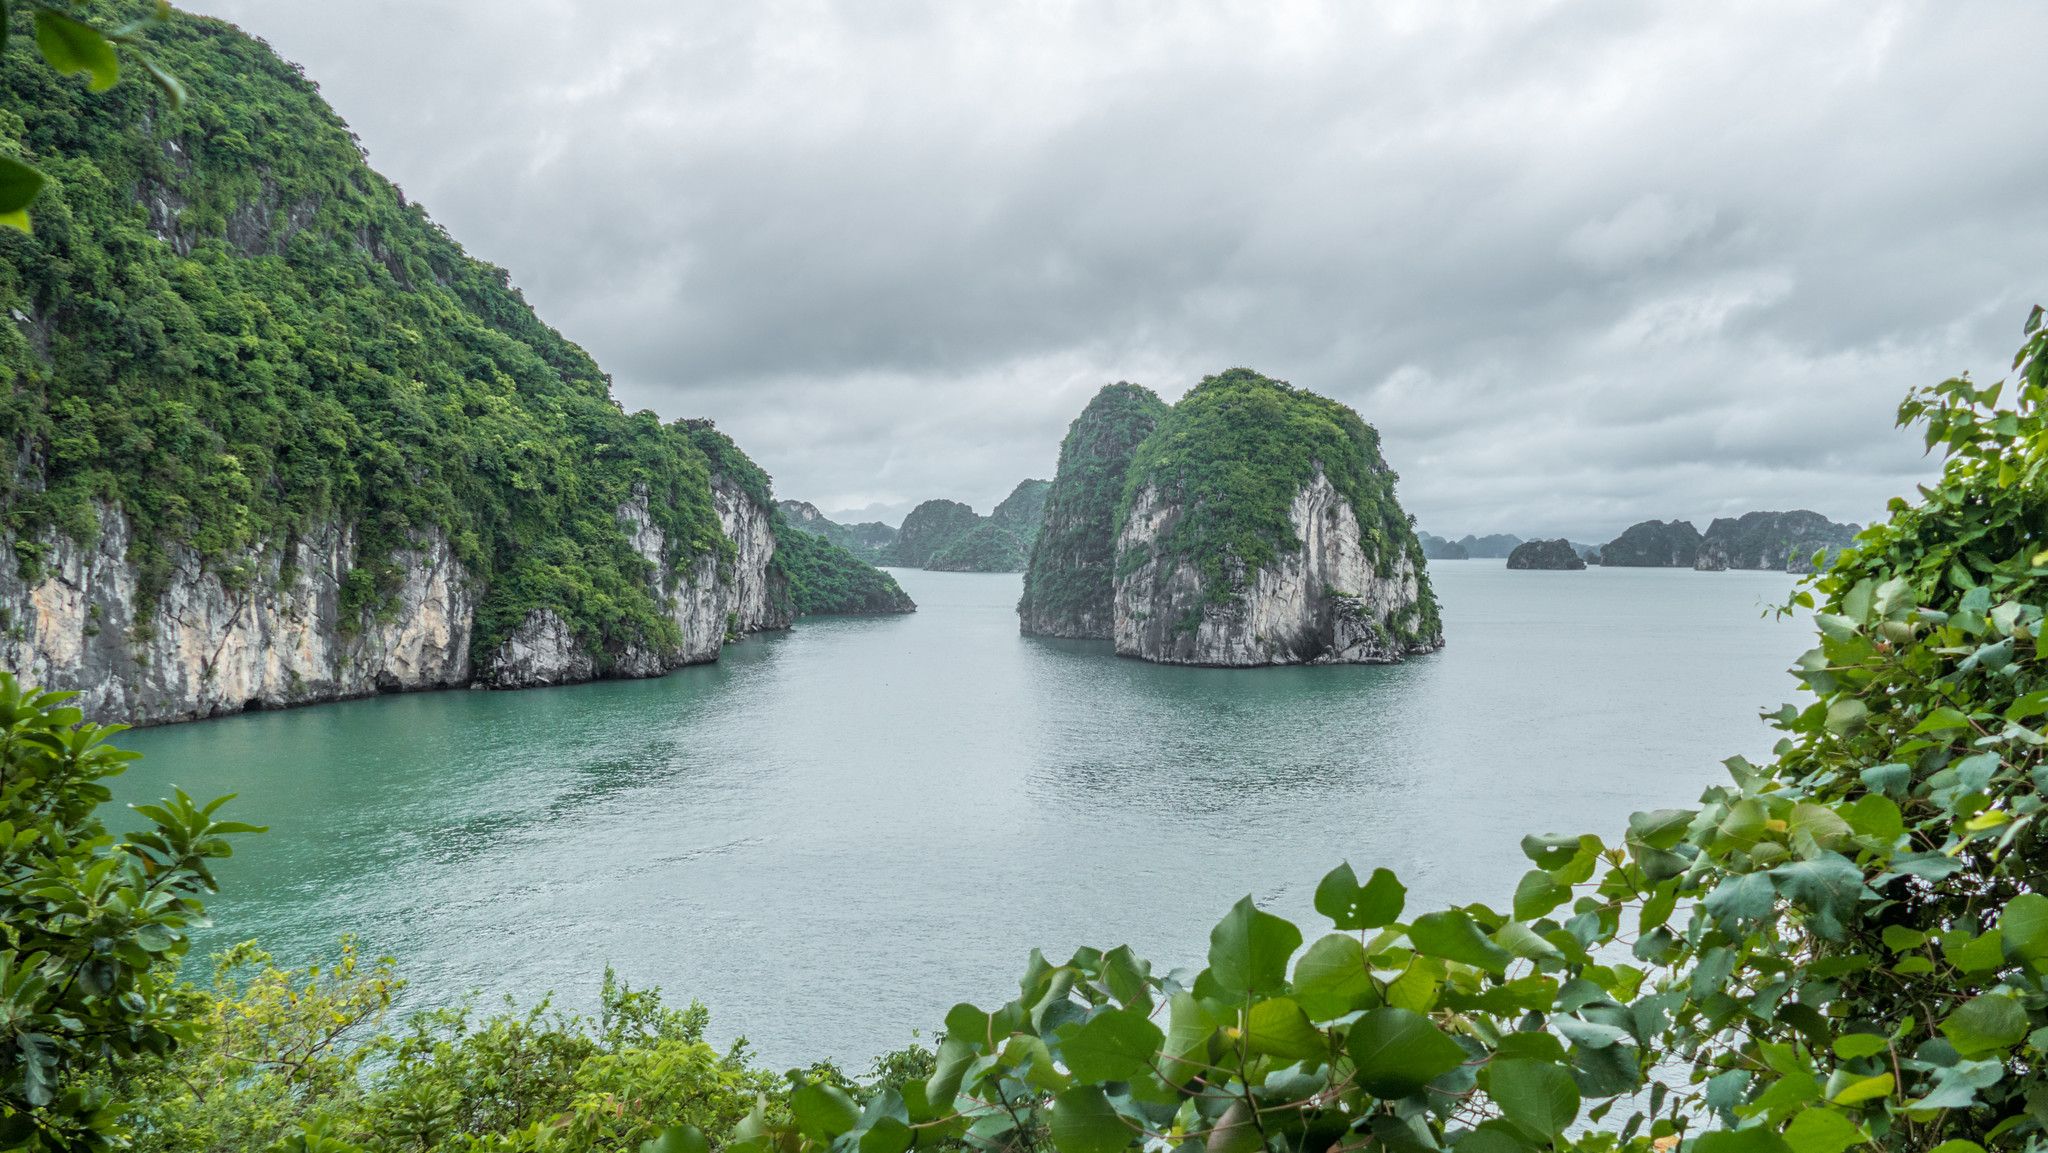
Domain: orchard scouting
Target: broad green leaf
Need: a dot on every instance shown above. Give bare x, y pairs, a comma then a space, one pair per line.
1850, 1046
2023, 926
1828, 887
955, 1054
1537, 1096
1125, 975
1249, 950
1188, 1033
1453, 936
1538, 894
73, 46
677, 1139
1820, 1130
1550, 852
1349, 905
886, 1135
1742, 897
1113, 1045
1741, 1141
1331, 979
19, 184
1398, 1052
1660, 828
1083, 1121
823, 1112
1987, 1024
1278, 1028
1867, 1089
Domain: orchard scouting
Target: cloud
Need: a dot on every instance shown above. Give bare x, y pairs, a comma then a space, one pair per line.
1581, 263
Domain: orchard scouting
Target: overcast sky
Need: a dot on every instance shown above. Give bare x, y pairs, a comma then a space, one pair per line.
1581, 263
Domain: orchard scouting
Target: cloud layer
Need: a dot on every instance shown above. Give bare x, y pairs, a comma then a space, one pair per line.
1582, 263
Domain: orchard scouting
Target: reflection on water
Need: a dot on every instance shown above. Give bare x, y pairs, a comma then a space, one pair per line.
886, 815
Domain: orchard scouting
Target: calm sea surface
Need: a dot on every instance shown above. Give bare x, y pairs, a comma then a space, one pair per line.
835, 833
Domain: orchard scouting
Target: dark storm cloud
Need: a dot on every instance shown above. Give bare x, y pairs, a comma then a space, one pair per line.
1581, 263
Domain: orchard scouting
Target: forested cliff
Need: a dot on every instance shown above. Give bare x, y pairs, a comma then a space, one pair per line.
1252, 523
275, 437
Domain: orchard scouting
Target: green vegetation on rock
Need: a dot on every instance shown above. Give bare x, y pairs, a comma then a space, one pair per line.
229, 327
928, 530
1545, 554
1235, 452
825, 579
989, 546
1069, 581
1023, 511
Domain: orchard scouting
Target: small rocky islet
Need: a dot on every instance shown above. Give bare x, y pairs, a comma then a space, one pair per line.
1252, 523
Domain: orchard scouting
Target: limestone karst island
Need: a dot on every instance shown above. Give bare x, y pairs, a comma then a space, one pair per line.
1333, 577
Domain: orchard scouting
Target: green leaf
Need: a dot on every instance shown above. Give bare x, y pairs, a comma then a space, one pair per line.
886, 1135
1278, 1028
1452, 936
1867, 1089
1349, 905
1820, 1130
955, 1054
1660, 828
1398, 1052
2023, 925
1249, 950
823, 1112
677, 1139
1741, 1141
73, 46
1538, 893
1331, 979
1083, 1121
19, 184
1743, 897
1550, 852
1828, 887
1850, 1046
1538, 1096
1987, 1024
1113, 1045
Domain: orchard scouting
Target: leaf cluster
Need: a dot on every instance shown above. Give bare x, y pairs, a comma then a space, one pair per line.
91, 924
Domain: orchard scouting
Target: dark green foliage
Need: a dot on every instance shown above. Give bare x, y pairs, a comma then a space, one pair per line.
826, 579
235, 330
990, 546
1545, 554
868, 540
928, 529
1069, 579
90, 924
1785, 541
1023, 511
295, 1056
1233, 455
1653, 544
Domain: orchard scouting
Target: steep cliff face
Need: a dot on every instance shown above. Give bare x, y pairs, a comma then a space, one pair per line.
1653, 544
710, 601
1325, 602
269, 629
1776, 541
1259, 527
272, 633
1069, 586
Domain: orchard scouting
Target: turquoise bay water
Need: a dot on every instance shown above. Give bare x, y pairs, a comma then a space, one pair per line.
833, 834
